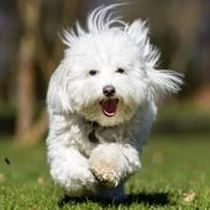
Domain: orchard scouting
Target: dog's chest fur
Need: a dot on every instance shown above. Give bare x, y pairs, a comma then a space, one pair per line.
94, 134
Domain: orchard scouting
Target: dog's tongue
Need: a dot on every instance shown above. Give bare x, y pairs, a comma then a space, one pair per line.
109, 107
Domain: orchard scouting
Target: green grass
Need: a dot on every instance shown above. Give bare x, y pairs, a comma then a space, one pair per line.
175, 175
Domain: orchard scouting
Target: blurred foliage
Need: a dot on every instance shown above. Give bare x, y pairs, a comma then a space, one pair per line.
184, 119
172, 118
30, 50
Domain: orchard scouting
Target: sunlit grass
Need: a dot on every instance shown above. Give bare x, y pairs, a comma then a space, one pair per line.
175, 175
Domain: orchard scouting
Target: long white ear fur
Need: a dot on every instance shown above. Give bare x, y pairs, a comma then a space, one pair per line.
164, 82
57, 98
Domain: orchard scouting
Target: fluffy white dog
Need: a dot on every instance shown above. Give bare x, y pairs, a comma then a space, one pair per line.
101, 104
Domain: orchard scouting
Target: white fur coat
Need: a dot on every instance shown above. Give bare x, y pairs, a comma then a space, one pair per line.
91, 152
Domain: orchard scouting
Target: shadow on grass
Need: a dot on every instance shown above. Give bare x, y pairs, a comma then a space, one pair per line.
153, 199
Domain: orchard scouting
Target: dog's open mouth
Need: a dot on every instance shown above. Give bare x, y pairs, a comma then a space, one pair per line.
109, 106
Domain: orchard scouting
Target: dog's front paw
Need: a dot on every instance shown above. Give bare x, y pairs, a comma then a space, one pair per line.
105, 173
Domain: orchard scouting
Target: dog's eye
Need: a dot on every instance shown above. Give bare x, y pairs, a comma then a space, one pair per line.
120, 70
93, 72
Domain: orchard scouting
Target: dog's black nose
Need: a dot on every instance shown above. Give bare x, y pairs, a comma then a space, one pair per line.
109, 90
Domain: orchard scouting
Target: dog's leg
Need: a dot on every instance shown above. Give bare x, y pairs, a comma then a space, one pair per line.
70, 169
111, 163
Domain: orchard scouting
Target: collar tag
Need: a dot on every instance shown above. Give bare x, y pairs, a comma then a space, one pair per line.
92, 137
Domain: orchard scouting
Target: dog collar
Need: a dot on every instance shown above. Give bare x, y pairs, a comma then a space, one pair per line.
92, 136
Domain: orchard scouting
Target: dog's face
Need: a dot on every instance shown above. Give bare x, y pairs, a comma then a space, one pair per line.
108, 72
107, 80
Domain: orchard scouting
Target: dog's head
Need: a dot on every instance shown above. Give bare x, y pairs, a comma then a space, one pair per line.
108, 71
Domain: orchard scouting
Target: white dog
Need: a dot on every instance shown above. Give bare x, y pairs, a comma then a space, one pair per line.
101, 104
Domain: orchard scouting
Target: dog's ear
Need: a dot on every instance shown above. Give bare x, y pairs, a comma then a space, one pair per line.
138, 31
57, 97
163, 82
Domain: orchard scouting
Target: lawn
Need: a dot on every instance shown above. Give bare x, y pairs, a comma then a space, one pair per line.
175, 175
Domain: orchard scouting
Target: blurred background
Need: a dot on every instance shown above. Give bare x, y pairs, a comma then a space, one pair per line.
30, 50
